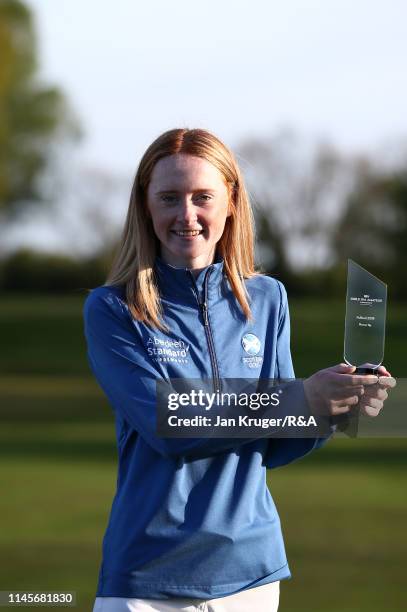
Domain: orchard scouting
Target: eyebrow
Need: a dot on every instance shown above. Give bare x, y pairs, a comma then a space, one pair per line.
176, 191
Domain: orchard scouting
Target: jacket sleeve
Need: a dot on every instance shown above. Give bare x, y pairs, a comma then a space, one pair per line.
282, 451
128, 377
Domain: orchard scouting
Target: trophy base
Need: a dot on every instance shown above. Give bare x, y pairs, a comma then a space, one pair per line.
362, 370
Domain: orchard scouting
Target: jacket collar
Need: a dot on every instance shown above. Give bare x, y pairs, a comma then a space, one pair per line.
179, 283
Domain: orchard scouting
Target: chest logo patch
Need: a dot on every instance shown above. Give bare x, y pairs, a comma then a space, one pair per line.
251, 344
167, 350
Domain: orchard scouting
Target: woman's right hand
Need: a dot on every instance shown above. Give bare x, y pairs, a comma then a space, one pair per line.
336, 390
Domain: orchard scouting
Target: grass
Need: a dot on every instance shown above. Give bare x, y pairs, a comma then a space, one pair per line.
343, 525
343, 508
343, 520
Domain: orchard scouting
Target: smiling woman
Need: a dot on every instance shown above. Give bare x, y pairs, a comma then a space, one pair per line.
187, 180
193, 525
188, 200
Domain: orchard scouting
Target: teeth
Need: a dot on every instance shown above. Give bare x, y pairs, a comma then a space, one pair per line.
188, 233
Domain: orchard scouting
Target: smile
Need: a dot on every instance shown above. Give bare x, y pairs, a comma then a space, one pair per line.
187, 232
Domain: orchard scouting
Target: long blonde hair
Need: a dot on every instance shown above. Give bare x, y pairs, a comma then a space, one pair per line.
133, 265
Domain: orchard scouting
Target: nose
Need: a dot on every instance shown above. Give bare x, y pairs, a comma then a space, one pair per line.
187, 215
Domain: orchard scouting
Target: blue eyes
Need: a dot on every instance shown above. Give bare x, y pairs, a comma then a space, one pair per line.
172, 199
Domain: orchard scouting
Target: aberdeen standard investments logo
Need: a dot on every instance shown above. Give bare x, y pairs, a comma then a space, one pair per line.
167, 350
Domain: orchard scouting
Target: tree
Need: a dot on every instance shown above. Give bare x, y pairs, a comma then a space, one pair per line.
373, 230
32, 116
297, 189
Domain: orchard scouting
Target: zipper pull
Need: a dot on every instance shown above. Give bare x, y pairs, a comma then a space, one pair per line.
204, 307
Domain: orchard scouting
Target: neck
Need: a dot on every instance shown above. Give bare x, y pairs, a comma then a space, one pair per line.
196, 271
195, 265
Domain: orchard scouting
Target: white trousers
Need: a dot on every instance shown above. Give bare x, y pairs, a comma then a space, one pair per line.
260, 599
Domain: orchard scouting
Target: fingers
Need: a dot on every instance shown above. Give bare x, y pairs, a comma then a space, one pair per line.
381, 370
371, 406
347, 401
376, 392
367, 406
342, 374
342, 392
387, 382
336, 390
365, 379
335, 409
353, 380
344, 405
370, 411
372, 402
342, 368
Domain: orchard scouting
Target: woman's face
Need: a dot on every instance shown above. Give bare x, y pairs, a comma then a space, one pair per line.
188, 201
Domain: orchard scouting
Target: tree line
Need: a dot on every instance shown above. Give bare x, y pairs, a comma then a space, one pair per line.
314, 206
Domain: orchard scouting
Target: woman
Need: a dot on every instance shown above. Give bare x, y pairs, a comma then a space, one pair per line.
193, 525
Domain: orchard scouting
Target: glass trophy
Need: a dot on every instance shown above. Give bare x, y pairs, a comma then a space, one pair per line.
365, 320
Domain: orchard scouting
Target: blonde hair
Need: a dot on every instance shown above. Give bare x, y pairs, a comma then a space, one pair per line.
133, 265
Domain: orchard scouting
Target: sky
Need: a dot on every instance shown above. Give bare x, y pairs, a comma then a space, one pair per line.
332, 70
133, 69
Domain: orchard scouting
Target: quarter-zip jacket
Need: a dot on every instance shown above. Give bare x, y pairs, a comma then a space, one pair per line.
191, 517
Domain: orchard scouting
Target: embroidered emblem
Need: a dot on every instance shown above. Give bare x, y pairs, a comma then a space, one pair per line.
251, 344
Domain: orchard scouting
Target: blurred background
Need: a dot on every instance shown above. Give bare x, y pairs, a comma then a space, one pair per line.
311, 97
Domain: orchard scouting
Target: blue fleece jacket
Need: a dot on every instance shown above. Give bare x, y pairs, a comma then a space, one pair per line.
191, 517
